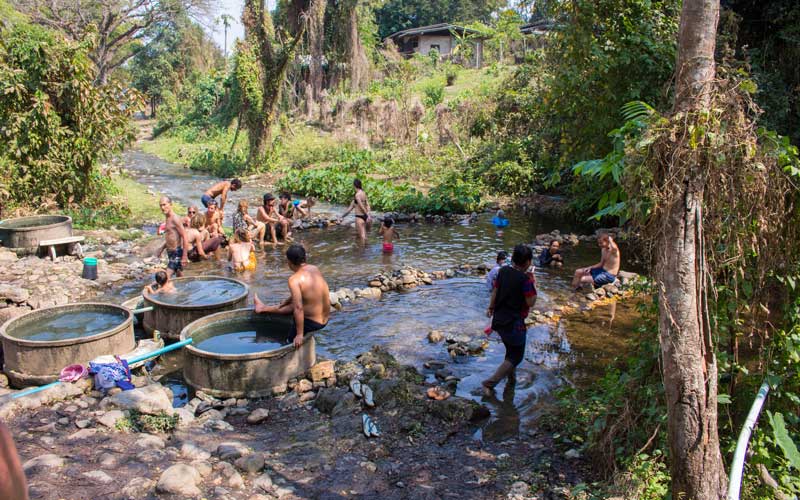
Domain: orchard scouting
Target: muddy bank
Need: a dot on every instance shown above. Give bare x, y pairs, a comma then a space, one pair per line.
306, 443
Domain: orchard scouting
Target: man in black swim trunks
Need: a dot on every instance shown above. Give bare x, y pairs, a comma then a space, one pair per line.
309, 301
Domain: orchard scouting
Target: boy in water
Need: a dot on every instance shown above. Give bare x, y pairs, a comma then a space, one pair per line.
162, 284
502, 260
389, 233
241, 253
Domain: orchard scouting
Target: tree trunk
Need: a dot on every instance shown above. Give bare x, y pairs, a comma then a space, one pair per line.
316, 41
687, 349
357, 62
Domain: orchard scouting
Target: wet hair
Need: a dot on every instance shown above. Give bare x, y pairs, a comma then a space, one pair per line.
243, 234
296, 254
161, 278
388, 222
522, 254
211, 202
501, 256
268, 197
243, 206
236, 184
501, 214
285, 196
198, 221
357, 183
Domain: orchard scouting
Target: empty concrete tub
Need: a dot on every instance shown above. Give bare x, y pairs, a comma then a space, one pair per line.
37, 345
27, 232
241, 354
193, 299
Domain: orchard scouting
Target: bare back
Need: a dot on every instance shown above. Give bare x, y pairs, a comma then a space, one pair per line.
362, 204
218, 188
315, 292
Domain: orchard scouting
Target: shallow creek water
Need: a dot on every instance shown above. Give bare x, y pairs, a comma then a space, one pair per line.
555, 355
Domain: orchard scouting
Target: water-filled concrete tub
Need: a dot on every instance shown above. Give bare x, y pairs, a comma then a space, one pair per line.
196, 297
26, 232
241, 354
37, 345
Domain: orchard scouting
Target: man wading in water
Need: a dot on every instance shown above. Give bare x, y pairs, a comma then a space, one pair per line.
175, 240
309, 302
220, 188
361, 206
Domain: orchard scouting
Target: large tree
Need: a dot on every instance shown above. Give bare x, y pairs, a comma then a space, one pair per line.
687, 347
262, 60
118, 27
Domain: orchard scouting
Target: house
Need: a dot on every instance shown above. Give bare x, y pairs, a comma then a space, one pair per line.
443, 38
534, 36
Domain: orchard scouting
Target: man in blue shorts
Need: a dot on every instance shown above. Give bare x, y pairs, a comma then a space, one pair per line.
220, 189
606, 270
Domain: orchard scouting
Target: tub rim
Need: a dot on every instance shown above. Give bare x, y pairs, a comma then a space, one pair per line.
127, 322
183, 307
65, 219
274, 353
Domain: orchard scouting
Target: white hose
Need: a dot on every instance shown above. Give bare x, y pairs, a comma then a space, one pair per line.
737, 467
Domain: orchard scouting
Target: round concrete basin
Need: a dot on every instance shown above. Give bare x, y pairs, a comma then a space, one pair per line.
37, 345
193, 299
241, 354
26, 232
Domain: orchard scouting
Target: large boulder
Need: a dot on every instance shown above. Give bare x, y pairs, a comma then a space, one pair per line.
180, 479
151, 400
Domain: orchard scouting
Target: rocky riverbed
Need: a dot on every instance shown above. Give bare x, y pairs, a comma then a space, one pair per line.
305, 443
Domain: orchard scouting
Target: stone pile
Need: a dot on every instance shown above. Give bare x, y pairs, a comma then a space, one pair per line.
544, 240
401, 279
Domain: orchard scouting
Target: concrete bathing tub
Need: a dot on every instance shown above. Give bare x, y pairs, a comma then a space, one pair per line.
241, 354
194, 298
26, 232
37, 345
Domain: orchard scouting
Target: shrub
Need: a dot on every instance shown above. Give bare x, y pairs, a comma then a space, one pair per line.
434, 94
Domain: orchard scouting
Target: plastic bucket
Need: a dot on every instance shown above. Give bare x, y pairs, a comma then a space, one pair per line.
89, 268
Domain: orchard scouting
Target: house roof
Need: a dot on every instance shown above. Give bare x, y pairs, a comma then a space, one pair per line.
539, 27
433, 29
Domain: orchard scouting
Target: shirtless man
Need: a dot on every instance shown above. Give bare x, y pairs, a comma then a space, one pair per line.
606, 270
213, 219
361, 206
201, 246
220, 188
268, 214
309, 302
187, 220
174, 239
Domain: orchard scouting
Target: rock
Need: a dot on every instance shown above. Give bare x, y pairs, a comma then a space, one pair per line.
191, 451
231, 450
150, 442
263, 482
322, 370
257, 416
377, 370
180, 479
185, 417
204, 468
610, 289
236, 481
307, 396
303, 385
217, 425
108, 460
82, 424
572, 454
99, 477
600, 292
151, 456
82, 434
520, 489
435, 336
150, 400
279, 389
3, 379
8, 313
138, 487
13, 293
251, 463
458, 409
43, 462
371, 293
591, 297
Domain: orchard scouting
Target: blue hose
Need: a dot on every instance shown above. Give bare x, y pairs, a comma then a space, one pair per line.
136, 359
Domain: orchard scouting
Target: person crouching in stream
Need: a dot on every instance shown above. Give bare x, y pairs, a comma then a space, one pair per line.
513, 294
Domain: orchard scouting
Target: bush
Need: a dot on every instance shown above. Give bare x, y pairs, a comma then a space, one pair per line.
434, 94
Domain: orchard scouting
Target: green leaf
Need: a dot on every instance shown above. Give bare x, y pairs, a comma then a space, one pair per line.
723, 399
784, 440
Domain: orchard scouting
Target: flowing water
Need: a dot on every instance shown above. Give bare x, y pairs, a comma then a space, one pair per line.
200, 292
67, 325
555, 355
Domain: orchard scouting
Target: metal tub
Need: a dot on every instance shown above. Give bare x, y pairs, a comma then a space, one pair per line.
251, 375
26, 232
36, 362
170, 319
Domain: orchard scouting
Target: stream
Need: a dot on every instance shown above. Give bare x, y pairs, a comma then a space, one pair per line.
566, 353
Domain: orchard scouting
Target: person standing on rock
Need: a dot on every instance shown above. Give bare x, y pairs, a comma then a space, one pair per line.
606, 270
309, 301
513, 295
175, 240
220, 189
361, 206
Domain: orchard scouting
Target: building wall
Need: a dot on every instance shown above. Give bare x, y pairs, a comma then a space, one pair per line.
445, 44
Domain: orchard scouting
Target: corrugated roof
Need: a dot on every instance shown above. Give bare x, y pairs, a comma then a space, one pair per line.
433, 28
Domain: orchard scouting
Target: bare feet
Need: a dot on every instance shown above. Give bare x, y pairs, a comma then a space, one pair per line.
258, 305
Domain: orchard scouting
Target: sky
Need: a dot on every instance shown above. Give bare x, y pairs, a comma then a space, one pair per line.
234, 9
